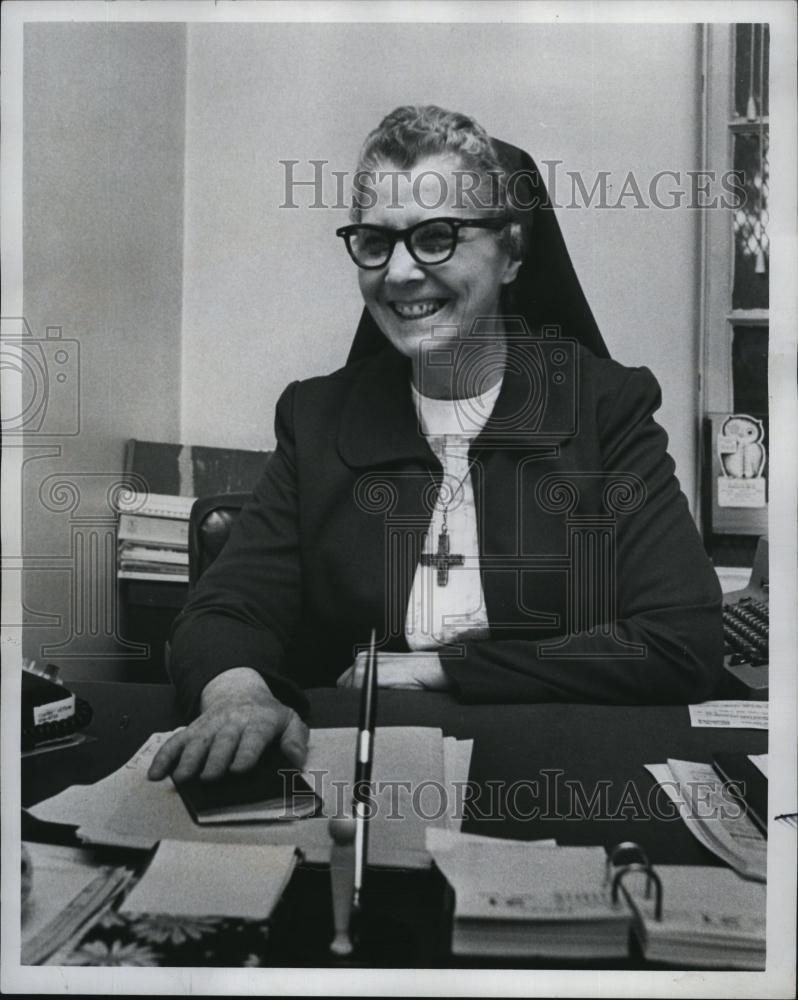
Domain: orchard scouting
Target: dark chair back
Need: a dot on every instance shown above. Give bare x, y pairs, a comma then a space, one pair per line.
209, 528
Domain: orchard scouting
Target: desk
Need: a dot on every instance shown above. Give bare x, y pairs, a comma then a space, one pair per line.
569, 749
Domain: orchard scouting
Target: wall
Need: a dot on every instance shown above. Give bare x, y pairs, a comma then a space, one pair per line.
104, 123
154, 238
269, 294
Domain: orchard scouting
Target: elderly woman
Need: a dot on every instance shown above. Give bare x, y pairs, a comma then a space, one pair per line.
480, 483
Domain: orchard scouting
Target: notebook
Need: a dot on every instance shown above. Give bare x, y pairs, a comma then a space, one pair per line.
273, 790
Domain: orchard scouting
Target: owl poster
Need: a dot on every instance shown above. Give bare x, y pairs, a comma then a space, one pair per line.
742, 456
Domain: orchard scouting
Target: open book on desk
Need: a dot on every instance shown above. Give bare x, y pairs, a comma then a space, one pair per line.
416, 769
517, 898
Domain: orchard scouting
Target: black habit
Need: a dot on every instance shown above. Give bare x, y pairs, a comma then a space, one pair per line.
329, 544
596, 585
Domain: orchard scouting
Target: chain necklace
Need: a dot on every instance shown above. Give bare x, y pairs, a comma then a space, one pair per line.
442, 558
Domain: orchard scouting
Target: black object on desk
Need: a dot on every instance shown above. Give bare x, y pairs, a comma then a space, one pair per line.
747, 782
272, 790
50, 711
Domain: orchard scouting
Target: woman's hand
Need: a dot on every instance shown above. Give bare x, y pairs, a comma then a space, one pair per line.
399, 670
239, 718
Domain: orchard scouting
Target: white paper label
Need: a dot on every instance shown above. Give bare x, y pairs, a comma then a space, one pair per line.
54, 711
741, 492
727, 445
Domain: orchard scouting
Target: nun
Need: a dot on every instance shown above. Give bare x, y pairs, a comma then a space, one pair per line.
480, 483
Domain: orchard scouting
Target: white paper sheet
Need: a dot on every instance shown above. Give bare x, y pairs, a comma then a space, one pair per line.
459, 854
198, 880
729, 715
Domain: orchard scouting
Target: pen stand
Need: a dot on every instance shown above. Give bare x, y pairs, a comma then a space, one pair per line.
404, 921
342, 881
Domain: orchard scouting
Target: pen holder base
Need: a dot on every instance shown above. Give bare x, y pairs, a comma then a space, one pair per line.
404, 921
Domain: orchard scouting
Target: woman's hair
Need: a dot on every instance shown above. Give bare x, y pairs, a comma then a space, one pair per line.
414, 132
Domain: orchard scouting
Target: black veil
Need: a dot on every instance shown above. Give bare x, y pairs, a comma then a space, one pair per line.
546, 291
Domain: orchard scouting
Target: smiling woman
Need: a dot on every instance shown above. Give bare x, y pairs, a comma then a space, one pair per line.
424, 268
480, 483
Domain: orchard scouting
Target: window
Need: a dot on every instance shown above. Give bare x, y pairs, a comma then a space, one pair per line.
736, 248
749, 305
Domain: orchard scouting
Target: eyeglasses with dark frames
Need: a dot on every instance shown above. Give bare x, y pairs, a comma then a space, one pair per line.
432, 241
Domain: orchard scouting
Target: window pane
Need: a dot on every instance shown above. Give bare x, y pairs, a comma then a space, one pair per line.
750, 369
751, 244
747, 76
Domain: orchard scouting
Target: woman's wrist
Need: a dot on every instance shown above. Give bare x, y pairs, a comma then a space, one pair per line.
236, 682
437, 679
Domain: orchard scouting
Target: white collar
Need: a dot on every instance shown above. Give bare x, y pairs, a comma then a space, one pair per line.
460, 417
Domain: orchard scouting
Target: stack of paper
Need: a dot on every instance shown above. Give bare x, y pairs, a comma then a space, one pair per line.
519, 898
153, 537
418, 776
711, 918
713, 815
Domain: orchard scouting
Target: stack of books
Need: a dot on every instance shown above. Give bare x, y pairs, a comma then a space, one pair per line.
164, 480
153, 537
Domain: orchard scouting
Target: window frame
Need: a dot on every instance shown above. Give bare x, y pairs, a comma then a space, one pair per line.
718, 316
